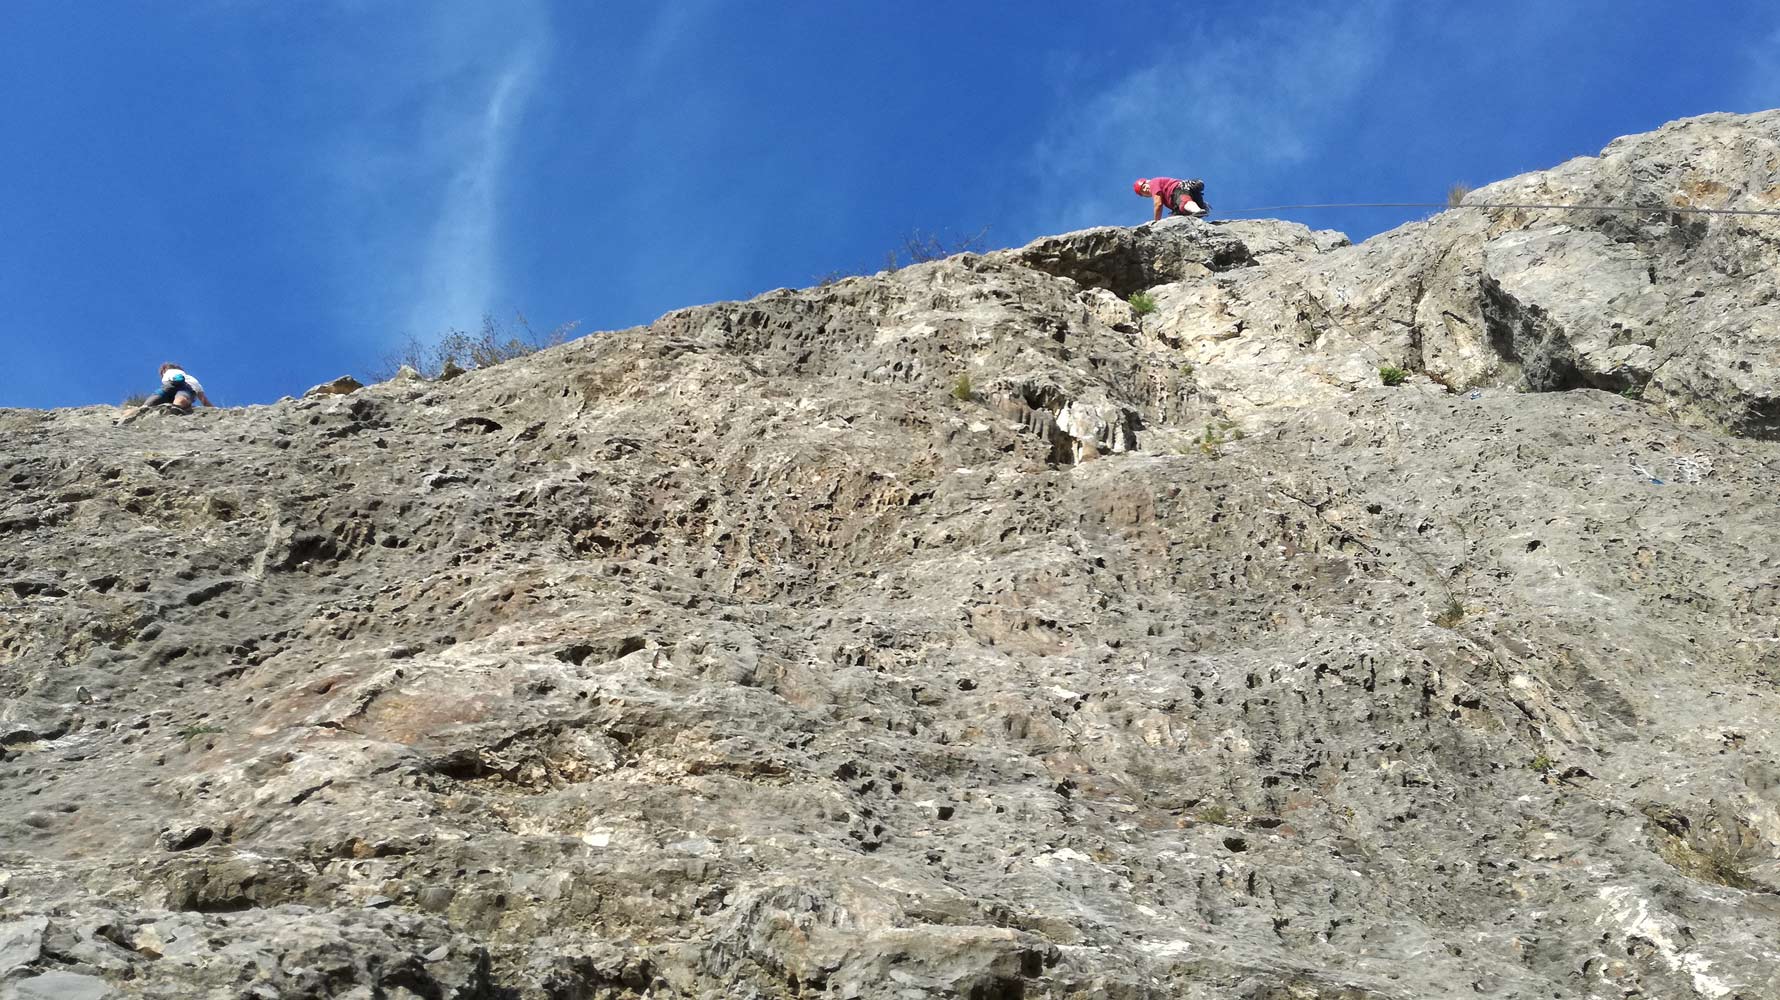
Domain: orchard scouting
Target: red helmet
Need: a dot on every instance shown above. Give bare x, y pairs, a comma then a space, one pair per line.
1137, 185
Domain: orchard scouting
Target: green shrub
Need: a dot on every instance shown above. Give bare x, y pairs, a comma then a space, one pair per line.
1142, 303
1541, 763
1217, 434
961, 389
1392, 375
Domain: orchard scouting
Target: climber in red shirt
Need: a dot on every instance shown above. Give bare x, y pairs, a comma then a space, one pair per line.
1179, 197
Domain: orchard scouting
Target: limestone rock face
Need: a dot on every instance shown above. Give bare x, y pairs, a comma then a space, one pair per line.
1683, 310
756, 653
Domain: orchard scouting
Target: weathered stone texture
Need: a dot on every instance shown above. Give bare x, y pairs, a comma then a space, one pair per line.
756, 654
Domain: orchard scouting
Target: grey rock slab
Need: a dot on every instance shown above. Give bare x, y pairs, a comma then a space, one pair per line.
21, 942
60, 986
1126, 260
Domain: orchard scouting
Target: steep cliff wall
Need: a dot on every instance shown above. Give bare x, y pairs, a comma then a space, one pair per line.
756, 653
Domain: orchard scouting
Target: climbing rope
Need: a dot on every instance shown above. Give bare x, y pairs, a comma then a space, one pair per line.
1663, 209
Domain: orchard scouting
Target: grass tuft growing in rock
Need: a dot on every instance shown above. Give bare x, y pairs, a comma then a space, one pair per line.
1214, 814
1717, 862
1392, 375
1142, 303
1450, 615
961, 389
1725, 865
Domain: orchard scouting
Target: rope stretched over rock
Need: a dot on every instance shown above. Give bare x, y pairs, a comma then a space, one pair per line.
1671, 209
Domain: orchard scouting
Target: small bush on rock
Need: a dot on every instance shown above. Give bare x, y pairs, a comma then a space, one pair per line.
919, 247
1216, 435
1392, 375
1213, 814
1142, 303
961, 389
462, 351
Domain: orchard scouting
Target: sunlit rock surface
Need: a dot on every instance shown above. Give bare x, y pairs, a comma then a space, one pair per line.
953, 632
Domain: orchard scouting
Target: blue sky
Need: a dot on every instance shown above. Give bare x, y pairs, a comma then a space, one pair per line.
275, 193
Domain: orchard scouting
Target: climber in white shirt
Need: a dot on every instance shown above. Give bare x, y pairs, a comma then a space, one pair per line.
178, 389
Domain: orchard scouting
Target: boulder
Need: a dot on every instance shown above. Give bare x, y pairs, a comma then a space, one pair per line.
338, 387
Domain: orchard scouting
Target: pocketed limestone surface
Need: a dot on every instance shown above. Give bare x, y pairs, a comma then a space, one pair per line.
955, 631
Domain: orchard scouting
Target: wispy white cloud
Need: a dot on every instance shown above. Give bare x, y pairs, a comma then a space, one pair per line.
1761, 77
460, 273
421, 165
1218, 109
